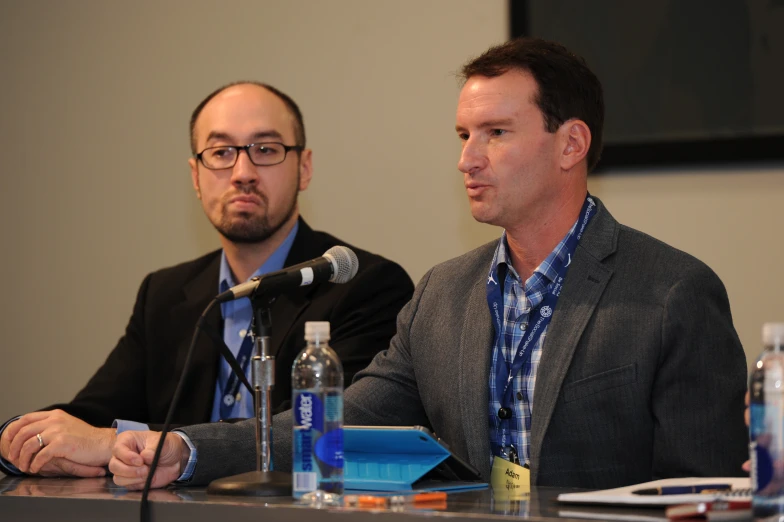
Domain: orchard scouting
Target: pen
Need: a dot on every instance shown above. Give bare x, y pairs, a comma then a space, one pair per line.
683, 490
693, 510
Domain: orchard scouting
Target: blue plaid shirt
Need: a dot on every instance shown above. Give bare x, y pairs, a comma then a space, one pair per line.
519, 300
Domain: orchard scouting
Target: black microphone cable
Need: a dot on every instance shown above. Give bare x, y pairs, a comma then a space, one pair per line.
144, 510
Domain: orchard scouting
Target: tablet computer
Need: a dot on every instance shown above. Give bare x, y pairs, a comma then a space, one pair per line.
411, 440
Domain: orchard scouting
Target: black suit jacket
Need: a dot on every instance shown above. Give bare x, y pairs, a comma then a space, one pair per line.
138, 379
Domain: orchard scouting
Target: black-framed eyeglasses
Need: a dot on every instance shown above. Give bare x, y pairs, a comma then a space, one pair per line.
260, 154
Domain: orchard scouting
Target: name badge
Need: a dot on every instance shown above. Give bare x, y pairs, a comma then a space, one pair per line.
509, 480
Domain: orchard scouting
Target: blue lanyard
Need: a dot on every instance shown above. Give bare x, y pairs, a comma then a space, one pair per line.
540, 318
233, 382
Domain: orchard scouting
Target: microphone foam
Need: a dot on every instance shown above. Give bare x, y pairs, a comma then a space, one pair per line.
344, 264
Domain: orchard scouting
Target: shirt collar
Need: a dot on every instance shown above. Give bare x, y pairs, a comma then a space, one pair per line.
273, 263
545, 268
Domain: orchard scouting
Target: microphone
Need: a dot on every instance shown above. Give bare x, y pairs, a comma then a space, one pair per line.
339, 264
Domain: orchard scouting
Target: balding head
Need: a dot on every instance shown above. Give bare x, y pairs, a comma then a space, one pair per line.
298, 124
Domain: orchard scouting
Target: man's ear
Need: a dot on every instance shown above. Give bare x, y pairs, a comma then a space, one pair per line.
577, 141
305, 169
192, 162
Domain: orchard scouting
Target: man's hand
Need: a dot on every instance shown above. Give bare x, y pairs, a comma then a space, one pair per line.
133, 453
70, 446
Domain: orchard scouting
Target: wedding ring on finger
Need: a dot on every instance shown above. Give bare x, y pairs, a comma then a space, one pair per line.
40, 441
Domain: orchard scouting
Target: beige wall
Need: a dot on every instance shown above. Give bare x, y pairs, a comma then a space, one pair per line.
95, 98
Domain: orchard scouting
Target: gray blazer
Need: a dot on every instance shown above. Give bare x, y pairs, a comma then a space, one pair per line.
642, 375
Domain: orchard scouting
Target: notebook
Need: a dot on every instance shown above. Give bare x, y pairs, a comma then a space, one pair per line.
741, 490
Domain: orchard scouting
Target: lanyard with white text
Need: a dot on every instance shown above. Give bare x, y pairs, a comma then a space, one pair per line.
540, 318
233, 383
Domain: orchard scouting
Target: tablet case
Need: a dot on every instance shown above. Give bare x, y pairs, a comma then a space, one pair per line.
399, 459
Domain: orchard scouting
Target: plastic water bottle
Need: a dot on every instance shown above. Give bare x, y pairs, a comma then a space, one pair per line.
317, 403
766, 426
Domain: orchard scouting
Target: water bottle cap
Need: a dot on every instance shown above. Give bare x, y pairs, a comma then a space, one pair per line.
773, 334
317, 331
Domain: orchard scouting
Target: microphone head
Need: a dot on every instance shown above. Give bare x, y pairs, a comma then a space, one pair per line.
344, 264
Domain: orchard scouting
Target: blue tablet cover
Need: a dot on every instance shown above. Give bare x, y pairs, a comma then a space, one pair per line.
394, 459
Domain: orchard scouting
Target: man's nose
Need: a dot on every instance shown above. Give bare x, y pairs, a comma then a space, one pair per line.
244, 171
472, 157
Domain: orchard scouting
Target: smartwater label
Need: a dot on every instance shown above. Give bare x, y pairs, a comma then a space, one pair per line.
308, 426
318, 449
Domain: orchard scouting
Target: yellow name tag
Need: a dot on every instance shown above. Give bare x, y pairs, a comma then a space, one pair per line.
509, 479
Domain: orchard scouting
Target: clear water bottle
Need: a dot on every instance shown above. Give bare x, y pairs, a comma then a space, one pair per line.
766, 426
317, 403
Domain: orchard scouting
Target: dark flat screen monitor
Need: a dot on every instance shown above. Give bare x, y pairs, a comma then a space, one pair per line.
685, 81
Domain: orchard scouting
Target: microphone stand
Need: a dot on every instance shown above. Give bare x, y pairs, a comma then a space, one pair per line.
264, 482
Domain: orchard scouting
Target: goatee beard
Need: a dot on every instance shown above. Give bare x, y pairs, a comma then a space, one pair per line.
247, 229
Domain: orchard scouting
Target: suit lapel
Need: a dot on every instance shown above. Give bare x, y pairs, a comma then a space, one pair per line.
199, 386
585, 283
476, 344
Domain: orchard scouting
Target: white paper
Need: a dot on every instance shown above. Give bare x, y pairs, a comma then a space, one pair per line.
624, 495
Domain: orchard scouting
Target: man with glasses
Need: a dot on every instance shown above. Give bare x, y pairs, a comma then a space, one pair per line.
249, 164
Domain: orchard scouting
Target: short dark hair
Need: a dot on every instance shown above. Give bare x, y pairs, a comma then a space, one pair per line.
291, 105
567, 87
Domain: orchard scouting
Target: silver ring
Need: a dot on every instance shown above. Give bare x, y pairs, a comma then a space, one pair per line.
40, 440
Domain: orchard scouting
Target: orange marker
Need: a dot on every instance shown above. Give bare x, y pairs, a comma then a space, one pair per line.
419, 498
373, 501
